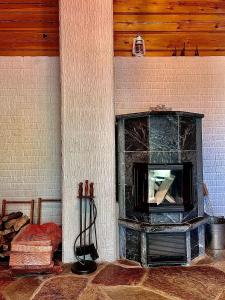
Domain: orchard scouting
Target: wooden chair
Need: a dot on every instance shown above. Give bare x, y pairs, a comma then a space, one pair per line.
40, 202
5, 203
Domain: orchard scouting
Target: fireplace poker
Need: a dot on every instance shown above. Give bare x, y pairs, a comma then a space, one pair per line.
84, 266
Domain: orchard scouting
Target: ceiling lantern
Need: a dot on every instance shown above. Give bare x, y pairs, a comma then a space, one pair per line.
138, 46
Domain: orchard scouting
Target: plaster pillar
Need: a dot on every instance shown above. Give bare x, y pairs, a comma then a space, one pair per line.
88, 141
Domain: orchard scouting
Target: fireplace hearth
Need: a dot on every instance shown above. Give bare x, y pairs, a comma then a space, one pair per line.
159, 176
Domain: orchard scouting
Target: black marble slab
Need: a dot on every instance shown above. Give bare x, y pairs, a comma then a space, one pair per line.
166, 218
136, 134
163, 133
183, 227
194, 243
164, 157
162, 113
133, 245
187, 133
130, 159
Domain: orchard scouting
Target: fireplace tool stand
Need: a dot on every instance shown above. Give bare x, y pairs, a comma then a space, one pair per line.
86, 246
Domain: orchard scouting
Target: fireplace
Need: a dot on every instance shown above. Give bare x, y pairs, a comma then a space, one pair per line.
159, 183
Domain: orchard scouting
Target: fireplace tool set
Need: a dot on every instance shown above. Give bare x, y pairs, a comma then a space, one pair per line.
86, 242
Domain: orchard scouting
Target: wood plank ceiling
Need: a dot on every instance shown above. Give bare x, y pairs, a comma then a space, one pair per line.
29, 27
166, 24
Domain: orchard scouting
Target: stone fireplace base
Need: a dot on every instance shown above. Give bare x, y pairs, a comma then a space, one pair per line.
162, 244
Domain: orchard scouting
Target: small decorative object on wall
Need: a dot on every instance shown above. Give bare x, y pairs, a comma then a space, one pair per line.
88, 215
138, 46
196, 51
160, 107
182, 53
174, 53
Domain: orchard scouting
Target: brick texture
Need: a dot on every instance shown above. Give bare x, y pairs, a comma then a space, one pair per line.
30, 160
195, 84
88, 148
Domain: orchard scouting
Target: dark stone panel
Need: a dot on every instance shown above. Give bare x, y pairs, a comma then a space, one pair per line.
163, 133
133, 245
136, 134
129, 200
170, 157
138, 216
191, 214
159, 113
130, 159
190, 156
187, 133
194, 243
166, 218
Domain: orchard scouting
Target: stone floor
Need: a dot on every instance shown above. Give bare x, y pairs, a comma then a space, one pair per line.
124, 280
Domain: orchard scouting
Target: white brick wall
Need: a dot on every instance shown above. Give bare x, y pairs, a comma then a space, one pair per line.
30, 143
194, 84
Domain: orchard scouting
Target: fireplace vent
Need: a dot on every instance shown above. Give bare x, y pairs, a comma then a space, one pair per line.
168, 248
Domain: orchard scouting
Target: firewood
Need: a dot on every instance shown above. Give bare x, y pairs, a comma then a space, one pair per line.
9, 237
6, 247
163, 189
2, 240
21, 222
170, 199
28, 258
10, 223
6, 231
18, 270
32, 249
13, 215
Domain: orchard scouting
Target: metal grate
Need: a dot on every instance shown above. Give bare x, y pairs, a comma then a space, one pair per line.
166, 247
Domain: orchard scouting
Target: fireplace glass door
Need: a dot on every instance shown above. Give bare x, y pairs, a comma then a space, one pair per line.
163, 187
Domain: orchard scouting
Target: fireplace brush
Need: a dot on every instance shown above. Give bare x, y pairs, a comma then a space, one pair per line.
88, 215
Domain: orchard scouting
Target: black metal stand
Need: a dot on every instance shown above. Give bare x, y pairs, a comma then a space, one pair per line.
88, 267
87, 208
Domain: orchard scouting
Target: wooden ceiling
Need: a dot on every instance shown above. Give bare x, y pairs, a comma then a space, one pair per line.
29, 27
166, 24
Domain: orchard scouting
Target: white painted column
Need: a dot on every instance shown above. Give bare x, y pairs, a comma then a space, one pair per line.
88, 141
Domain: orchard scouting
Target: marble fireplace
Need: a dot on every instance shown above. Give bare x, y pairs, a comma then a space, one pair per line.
159, 187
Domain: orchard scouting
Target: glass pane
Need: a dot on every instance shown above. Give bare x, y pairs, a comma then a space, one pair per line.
165, 186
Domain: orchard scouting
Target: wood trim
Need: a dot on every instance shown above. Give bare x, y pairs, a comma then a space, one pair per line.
40, 201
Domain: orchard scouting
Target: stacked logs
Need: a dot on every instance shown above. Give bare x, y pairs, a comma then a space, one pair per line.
33, 248
10, 225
